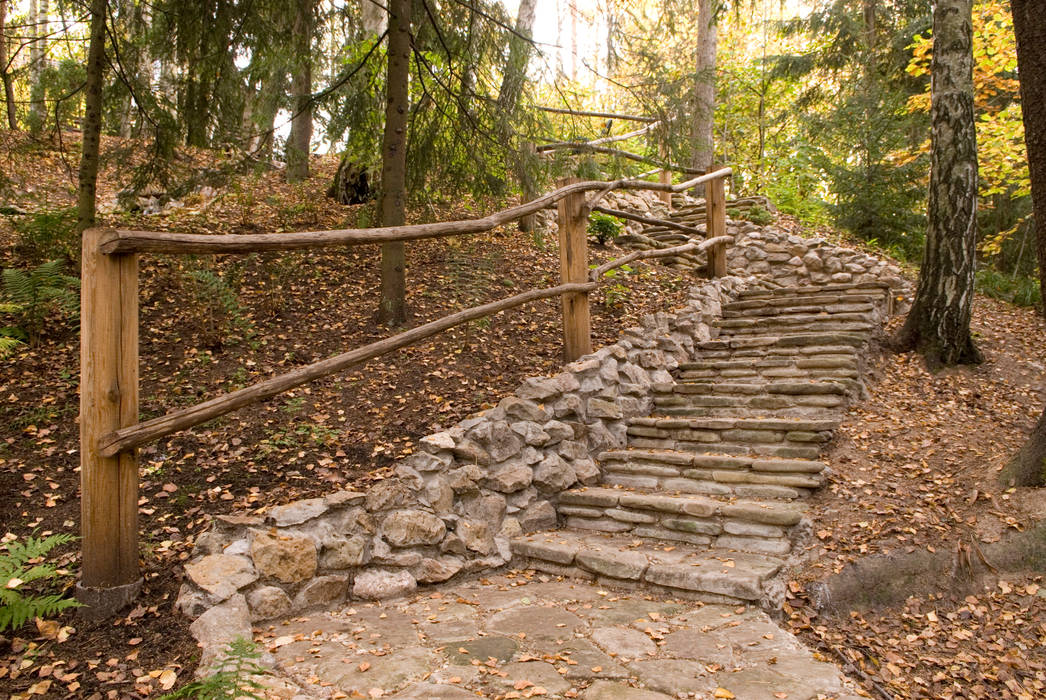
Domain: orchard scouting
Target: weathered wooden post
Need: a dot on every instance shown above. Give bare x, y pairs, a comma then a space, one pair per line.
665, 178
715, 224
110, 577
526, 182
573, 265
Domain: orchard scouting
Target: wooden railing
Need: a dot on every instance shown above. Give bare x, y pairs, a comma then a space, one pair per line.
109, 429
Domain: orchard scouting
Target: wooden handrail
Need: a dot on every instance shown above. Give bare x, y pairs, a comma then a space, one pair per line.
146, 431
648, 220
694, 246
116, 242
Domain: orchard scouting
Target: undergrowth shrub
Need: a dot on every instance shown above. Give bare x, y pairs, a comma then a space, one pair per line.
758, 215
603, 228
33, 298
47, 235
234, 676
1021, 290
22, 563
221, 317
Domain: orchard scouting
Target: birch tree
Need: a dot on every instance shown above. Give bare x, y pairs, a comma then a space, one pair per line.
938, 324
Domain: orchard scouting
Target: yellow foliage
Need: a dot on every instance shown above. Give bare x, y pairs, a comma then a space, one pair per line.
1001, 155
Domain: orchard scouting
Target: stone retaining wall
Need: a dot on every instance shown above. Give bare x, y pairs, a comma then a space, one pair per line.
453, 506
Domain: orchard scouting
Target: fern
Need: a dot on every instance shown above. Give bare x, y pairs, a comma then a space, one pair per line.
222, 311
17, 569
34, 295
233, 676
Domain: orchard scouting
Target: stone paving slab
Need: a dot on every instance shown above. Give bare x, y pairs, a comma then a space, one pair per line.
524, 634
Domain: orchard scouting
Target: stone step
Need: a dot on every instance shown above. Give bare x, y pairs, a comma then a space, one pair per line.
808, 387
751, 526
796, 319
785, 304
781, 344
816, 289
846, 359
785, 410
807, 451
793, 432
676, 569
817, 367
714, 473
773, 328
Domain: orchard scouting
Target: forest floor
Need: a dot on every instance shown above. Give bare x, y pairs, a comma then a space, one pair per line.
914, 464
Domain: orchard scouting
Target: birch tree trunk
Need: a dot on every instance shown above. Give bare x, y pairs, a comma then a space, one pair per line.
392, 308
702, 140
92, 126
5, 73
1029, 24
300, 138
38, 10
938, 324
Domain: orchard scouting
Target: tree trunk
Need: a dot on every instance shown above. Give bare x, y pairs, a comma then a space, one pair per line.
1028, 466
938, 324
5, 73
38, 10
298, 143
92, 125
392, 308
703, 121
266, 106
132, 16
518, 57
1029, 25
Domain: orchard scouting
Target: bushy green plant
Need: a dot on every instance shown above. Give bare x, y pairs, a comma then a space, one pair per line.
216, 296
32, 297
20, 564
47, 235
759, 215
1016, 289
616, 294
603, 228
233, 676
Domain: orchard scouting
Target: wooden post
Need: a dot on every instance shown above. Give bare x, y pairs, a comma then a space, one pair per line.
110, 577
526, 182
573, 265
715, 224
665, 178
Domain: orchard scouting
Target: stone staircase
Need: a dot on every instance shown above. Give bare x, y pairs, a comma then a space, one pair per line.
706, 500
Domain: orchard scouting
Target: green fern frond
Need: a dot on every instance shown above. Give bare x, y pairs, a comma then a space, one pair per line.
18, 606
8, 345
233, 676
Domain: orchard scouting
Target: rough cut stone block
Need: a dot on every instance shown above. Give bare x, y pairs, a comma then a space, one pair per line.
297, 512
408, 528
221, 575
378, 584
286, 558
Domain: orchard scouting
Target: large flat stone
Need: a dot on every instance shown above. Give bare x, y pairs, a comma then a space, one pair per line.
535, 623
605, 690
624, 642
616, 564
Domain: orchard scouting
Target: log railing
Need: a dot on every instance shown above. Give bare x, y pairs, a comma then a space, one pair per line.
109, 429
